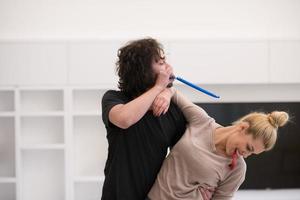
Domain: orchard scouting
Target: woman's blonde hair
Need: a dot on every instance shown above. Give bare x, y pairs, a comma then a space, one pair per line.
265, 126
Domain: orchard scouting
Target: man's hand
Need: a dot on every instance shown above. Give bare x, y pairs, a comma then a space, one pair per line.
162, 102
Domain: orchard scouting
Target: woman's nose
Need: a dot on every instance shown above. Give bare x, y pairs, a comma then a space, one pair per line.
246, 154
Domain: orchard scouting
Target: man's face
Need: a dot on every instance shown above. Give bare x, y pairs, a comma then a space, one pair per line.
161, 65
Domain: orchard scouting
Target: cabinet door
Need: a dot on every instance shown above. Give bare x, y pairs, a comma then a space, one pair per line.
93, 62
285, 61
33, 63
220, 62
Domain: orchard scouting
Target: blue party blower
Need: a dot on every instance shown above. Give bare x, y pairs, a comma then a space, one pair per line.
195, 86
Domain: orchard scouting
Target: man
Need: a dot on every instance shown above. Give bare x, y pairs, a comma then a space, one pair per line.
138, 140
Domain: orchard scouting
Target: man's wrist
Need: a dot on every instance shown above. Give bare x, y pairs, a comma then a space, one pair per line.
158, 88
172, 91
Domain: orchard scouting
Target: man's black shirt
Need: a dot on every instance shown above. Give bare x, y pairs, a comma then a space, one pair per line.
135, 155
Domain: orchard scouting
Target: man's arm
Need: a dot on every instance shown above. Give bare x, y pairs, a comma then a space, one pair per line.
125, 115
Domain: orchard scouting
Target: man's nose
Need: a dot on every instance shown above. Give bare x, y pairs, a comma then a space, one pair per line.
168, 66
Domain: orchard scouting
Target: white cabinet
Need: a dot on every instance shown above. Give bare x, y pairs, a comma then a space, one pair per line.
33, 63
7, 150
216, 62
89, 143
42, 175
53, 143
88, 191
89, 132
7, 145
39, 101
285, 62
7, 101
41, 130
7, 191
93, 62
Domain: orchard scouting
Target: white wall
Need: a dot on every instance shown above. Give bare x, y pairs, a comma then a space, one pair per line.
232, 45
67, 19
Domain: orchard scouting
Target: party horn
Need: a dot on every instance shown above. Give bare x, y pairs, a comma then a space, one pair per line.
195, 86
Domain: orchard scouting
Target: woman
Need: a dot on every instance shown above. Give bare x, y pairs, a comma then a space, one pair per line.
207, 162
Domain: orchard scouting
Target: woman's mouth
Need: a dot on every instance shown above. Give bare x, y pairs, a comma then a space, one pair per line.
234, 159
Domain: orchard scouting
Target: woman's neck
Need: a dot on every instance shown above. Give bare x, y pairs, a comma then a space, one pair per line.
220, 138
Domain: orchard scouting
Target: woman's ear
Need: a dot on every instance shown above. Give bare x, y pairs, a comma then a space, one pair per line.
244, 126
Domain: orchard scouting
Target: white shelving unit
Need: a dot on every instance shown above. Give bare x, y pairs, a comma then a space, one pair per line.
88, 131
7, 145
52, 143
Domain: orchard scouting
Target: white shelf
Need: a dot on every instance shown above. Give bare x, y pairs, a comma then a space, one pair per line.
52, 143
90, 146
7, 147
86, 179
6, 101
42, 130
7, 191
88, 191
41, 100
43, 147
7, 180
43, 175
7, 114
87, 113
42, 114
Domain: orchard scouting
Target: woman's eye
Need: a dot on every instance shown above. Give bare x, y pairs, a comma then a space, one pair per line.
248, 148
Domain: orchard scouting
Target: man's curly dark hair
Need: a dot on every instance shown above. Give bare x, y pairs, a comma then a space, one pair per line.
134, 66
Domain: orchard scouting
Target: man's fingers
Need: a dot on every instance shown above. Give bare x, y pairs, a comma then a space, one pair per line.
167, 108
163, 108
156, 106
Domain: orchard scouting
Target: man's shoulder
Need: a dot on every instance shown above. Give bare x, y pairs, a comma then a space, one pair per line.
113, 93
108, 92
114, 96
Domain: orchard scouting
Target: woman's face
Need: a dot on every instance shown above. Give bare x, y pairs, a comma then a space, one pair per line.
244, 143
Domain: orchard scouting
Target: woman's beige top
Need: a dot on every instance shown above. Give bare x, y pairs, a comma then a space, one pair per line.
193, 170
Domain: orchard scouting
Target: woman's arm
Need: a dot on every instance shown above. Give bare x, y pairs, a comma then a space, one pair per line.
193, 113
227, 187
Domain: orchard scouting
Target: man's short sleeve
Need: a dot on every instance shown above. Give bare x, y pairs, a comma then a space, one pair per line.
109, 100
